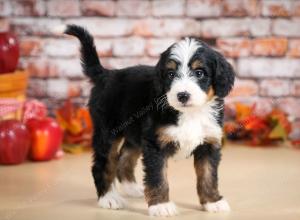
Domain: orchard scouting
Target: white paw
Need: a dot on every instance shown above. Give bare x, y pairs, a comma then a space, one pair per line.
111, 200
219, 206
163, 209
132, 189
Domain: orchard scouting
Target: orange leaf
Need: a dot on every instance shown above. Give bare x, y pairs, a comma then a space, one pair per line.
243, 111
85, 117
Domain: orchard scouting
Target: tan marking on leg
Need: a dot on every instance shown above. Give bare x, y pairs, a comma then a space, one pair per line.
112, 162
127, 163
158, 194
120, 145
206, 183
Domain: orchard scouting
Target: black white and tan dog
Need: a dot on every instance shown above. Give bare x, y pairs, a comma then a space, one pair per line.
173, 108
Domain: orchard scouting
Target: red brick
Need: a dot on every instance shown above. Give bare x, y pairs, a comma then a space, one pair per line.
63, 8
101, 8
244, 88
274, 87
296, 8
295, 88
74, 88
285, 27
225, 27
4, 25
66, 68
104, 47
106, 27
30, 46
241, 8
294, 48
268, 67
57, 88
86, 87
234, 47
167, 27
34, 26
264, 105
5, 8
290, 105
37, 88
116, 63
168, 7
133, 8
29, 7
276, 8
61, 47
38, 67
133, 46
269, 46
155, 47
232, 62
295, 134
260, 27
204, 8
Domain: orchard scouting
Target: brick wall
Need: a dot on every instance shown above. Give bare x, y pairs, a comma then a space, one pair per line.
261, 38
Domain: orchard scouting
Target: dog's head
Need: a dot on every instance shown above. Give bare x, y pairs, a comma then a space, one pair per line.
191, 73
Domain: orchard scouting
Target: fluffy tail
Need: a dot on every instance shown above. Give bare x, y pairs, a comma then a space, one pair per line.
89, 57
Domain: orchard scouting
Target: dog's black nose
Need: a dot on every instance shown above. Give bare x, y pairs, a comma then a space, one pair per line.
183, 97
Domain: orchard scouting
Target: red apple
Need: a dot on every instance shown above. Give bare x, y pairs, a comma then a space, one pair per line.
46, 138
14, 142
9, 52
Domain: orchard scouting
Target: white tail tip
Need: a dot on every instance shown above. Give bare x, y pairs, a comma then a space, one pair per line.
59, 29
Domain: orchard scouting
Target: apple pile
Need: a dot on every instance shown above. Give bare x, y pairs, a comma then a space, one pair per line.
38, 137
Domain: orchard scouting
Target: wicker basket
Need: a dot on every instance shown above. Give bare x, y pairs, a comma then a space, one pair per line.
13, 91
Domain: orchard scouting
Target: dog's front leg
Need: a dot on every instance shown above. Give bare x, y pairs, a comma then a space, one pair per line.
156, 183
206, 162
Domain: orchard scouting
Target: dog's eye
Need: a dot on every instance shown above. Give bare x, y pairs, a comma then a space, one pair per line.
199, 73
171, 74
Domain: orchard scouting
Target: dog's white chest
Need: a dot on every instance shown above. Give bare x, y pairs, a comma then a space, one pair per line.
192, 129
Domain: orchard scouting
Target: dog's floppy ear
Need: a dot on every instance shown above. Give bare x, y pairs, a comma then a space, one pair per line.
161, 65
160, 69
224, 75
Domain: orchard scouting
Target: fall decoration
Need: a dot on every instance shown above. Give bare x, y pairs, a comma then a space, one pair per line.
12, 94
77, 126
257, 129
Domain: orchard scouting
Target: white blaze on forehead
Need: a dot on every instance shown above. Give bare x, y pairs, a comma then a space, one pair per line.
183, 51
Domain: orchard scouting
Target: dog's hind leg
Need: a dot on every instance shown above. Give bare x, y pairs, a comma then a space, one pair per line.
104, 172
129, 155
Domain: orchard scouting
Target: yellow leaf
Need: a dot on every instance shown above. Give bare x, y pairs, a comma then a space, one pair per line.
278, 132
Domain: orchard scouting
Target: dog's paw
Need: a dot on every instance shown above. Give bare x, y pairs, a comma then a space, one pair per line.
132, 189
163, 209
218, 206
111, 200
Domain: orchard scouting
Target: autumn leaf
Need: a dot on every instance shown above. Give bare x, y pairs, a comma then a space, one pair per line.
278, 132
243, 111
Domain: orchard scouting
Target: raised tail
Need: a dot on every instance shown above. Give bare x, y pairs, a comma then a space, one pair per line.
89, 57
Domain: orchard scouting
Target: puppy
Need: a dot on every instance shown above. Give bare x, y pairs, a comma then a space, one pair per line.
173, 108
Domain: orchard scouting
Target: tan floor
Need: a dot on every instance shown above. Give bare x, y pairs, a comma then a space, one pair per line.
258, 183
